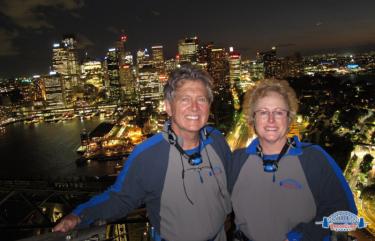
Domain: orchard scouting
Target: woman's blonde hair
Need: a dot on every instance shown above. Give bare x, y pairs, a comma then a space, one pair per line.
262, 88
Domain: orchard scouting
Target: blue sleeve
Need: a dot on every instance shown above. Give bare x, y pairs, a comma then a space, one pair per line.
122, 197
330, 190
127, 193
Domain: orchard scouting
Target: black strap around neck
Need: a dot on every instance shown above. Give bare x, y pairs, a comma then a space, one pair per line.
281, 154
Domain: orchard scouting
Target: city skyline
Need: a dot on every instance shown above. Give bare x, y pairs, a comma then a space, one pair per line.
28, 30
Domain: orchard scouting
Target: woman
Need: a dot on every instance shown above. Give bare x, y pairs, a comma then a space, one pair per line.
281, 186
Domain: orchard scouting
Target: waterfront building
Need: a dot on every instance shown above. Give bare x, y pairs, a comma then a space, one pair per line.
32, 91
27, 91
40, 91
54, 90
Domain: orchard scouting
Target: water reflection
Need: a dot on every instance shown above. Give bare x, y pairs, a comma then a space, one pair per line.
47, 150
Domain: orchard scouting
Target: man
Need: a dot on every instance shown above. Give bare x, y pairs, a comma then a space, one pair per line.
179, 173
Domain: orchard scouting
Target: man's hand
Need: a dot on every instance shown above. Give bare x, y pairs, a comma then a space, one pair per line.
67, 223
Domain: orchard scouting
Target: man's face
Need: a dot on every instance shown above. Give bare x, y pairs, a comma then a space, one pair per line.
189, 108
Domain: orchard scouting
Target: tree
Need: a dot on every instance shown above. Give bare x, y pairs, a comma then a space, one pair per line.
366, 164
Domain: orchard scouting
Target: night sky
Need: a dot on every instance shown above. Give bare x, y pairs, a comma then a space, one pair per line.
28, 28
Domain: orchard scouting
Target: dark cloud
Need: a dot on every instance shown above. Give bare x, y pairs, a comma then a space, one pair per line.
6, 39
155, 13
113, 29
31, 26
83, 41
30, 14
286, 45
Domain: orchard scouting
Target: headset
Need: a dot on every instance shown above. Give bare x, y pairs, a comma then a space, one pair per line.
270, 165
194, 159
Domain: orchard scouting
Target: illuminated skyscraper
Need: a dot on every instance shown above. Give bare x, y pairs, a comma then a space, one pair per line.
204, 54
158, 58
113, 73
143, 58
234, 67
54, 90
93, 73
270, 62
40, 90
120, 46
218, 67
170, 65
149, 86
120, 75
188, 50
291, 66
150, 90
27, 91
126, 77
256, 70
65, 63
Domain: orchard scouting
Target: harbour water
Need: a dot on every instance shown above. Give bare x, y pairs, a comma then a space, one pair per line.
47, 150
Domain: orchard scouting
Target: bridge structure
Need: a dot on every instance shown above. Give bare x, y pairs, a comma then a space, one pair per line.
29, 208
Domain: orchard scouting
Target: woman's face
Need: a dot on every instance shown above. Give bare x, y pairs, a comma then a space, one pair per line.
271, 119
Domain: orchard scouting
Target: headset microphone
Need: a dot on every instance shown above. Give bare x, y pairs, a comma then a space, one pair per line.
193, 159
271, 165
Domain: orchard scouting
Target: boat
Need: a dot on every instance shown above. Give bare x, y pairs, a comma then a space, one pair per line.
81, 149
